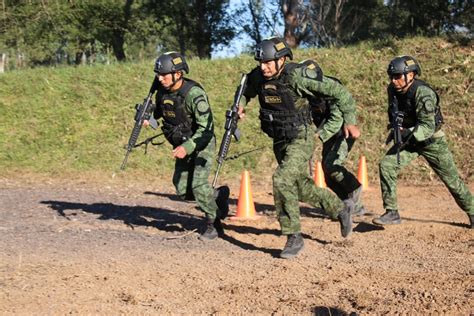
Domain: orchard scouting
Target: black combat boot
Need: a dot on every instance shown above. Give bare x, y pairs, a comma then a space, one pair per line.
471, 219
218, 227
345, 218
211, 232
388, 218
222, 200
294, 245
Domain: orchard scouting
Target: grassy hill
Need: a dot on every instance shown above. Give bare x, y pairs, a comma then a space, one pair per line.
67, 122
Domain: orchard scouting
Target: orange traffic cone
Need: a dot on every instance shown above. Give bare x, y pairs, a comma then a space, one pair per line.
362, 174
318, 175
245, 205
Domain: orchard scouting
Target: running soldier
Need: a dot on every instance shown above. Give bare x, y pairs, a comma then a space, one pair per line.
188, 125
283, 90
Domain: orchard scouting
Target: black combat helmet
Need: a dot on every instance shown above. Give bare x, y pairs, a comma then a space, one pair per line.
272, 48
171, 62
403, 65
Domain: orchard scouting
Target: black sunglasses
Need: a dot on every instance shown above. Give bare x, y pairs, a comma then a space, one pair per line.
396, 76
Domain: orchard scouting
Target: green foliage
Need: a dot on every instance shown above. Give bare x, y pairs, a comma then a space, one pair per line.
94, 31
326, 23
193, 27
77, 120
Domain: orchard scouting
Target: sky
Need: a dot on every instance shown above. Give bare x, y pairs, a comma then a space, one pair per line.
237, 45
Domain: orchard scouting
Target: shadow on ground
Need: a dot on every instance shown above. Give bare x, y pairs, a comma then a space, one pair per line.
330, 311
160, 218
132, 216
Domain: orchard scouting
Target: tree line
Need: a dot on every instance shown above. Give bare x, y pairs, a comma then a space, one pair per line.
54, 32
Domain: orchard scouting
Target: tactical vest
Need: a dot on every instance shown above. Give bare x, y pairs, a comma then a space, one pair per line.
279, 117
407, 104
178, 125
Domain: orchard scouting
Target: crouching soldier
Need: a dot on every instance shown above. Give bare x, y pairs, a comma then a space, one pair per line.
415, 115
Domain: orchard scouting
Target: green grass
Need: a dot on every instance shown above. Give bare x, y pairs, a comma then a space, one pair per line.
73, 121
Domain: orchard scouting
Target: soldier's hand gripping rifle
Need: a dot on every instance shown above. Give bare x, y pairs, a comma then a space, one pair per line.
144, 112
232, 116
396, 127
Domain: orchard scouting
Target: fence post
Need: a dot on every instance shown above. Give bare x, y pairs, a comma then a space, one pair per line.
3, 62
19, 60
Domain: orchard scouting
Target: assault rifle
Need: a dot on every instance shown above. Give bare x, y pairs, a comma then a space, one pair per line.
396, 127
144, 112
232, 116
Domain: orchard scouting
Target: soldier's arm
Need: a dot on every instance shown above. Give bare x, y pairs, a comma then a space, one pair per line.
332, 125
342, 104
333, 90
197, 104
250, 91
425, 113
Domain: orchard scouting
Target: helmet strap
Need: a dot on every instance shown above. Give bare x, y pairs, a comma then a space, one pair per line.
174, 80
406, 80
277, 67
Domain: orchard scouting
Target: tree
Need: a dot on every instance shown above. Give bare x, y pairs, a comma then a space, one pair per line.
193, 26
328, 22
105, 22
33, 30
257, 19
50, 32
418, 17
463, 15
296, 18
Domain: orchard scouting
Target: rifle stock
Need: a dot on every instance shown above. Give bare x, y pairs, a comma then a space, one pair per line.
231, 129
144, 112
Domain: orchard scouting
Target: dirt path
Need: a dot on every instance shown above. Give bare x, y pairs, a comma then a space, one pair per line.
73, 248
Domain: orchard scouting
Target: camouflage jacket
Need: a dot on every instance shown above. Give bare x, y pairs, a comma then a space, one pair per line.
422, 116
302, 81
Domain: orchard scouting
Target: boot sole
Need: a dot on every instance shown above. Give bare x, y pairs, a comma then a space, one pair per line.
376, 222
290, 255
207, 238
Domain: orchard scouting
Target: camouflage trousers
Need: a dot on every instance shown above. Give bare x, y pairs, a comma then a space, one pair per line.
338, 178
439, 158
292, 183
191, 179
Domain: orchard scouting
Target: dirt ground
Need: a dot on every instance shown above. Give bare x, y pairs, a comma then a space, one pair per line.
80, 248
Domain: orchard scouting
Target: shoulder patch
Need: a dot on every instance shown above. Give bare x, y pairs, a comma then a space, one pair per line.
201, 105
428, 104
198, 99
310, 72
427, 99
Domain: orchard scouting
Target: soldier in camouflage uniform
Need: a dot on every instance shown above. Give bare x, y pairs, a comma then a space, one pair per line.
332, 107
282, 90
188, 125
418, 105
